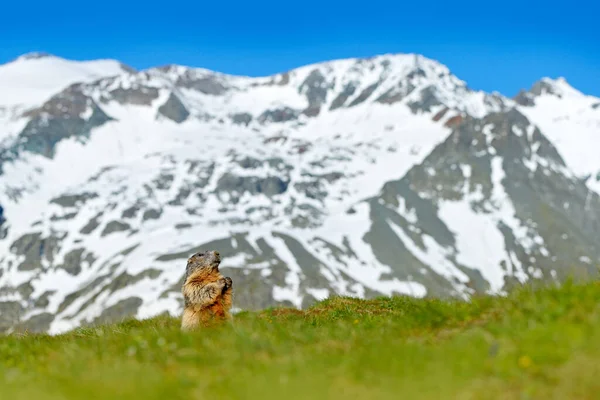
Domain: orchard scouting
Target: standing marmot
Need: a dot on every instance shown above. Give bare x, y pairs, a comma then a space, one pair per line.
206, 293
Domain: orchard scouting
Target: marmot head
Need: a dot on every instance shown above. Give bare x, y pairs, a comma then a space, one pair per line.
206, 260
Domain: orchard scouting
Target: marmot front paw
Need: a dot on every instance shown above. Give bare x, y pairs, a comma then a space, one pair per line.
228, 282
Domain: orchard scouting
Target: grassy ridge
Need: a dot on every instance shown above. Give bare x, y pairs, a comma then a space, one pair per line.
531, 344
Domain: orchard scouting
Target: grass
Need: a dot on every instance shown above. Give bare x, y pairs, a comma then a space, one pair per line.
533, 344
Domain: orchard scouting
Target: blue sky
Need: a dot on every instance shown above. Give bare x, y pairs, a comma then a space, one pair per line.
501, 45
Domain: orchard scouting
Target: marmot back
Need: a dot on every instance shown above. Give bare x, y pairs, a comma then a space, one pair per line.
207, 294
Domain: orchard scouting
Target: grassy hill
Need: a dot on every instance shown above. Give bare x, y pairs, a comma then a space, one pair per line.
532, 344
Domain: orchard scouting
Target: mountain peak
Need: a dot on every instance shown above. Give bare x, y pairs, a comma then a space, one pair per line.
35, 55
32, 78
556, 87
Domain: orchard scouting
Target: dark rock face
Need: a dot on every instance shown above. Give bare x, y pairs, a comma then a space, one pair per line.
35, 248
10, 314
174, 109
70, 298
73, 200
151, 214
241, 118
210, 85
542, 87
537, 195
237, 185
397, 93
164, 181
73, 260
250, 163
428, 100
284, 114
115, 226
124, 279
315, 87
91, 225
364, 95
341, 98
314, 186
63, 116
136, 94
525, 98
126, 308
38, 323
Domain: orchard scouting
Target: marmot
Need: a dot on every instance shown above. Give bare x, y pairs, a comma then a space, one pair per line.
206, 293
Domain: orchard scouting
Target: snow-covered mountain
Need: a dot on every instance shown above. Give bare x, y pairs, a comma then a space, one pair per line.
360, 177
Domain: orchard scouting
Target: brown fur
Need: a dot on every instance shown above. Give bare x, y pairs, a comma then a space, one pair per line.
207, 293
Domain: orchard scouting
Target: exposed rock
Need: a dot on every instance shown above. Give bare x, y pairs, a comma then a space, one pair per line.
74, 259
74, 200
164, 181
115, 226
308, 263
35, 55
315, 188
428, 99
92, 224
250, 163
241, 118
525, 98
210, 85
10, 314
440, 114
126, 308
396, 94
454, 121
38, 323
124, 279
65, 217
131, 212
310, 217
284, 79
34, 248
341, 98
284, 114
364, 95
71, 297
543, 87
233, 184
312, 111
25, 290
43, 301
315, 88
151, 214
136, 94
63, 116
174, 109
537, 196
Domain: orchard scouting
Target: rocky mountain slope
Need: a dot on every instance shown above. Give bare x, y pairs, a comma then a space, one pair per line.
360, 177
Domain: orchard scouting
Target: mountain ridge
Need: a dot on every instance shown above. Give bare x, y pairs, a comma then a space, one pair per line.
42, 54
352, 177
